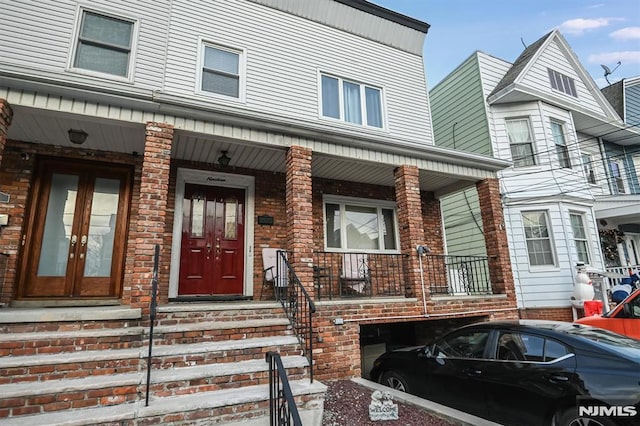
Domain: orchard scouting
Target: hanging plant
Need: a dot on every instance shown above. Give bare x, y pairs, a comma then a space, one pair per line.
609, 240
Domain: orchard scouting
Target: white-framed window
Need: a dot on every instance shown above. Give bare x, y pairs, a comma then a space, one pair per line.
221, 70
360, 224
351, 101
580, 237
616, 177
538, 237
557, 131
562, 83
587, 167
104, 44
520, 141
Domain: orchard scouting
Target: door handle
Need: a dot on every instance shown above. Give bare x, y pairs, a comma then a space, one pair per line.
83, 241
557, 378
74, 240
473, 372
209, 247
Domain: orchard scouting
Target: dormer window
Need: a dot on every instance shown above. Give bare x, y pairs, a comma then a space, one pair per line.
562, 83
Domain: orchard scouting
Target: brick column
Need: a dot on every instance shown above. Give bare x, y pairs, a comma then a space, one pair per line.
150, 225
6, 114
407, 187
495, 237
300, 214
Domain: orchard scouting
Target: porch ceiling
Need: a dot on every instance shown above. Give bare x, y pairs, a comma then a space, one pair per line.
48, 127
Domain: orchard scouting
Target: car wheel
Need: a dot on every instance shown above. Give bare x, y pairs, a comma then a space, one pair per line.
570, 417
395, 381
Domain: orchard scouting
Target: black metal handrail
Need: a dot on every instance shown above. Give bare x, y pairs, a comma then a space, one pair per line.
297, 305
152, 315
457, 275
282, 406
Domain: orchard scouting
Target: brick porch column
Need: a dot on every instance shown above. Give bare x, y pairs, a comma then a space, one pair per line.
6, 114
495, 237
150, 224
407, 187
300, 214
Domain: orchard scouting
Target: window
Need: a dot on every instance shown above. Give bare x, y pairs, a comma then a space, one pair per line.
618, 181
580, 237
351, 102
561, 145
465, 344
353, 224
104, 44
587, 167
526, 347
536, 232
220, 71
521, 142
562, 83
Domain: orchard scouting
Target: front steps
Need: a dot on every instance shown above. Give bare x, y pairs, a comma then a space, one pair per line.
208, 368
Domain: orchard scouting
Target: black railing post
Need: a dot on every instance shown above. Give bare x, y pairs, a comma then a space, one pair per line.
282, 406
152, 315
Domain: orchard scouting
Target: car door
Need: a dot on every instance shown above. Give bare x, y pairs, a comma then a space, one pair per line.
529, 373
451, 371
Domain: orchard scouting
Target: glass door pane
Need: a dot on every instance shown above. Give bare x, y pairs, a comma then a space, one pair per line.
58, 223
102, 228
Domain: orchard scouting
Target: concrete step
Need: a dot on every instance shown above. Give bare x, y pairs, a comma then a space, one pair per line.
217, 407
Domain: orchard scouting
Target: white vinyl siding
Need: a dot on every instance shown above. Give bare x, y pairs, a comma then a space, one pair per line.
58, 24
285, 54
580, 238
351, 102
521, 142
557, 132
360, 224
538, 237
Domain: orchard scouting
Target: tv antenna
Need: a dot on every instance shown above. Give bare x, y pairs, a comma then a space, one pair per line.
608, 71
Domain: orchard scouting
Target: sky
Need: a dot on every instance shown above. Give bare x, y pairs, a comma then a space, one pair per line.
599, 31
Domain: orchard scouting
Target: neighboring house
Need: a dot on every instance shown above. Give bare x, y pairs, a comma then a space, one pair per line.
212, 131
617, 204
545, 114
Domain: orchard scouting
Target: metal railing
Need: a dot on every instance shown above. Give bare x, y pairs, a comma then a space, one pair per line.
297, 305
358, 274
152, 316
282, 406
457, 275
617, 273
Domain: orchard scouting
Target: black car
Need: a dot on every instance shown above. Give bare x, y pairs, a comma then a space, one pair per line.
524, 373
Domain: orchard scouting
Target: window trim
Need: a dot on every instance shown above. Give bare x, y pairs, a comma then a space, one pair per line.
531, 141
363, 110
588, 169
550, 237
75, 40
617, 181
564, 147
342, 200
582, 216
242, 71
565, 82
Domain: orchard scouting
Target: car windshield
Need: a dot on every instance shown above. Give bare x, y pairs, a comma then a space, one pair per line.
625, 346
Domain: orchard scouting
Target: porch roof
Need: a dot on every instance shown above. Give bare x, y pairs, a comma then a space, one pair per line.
201, 136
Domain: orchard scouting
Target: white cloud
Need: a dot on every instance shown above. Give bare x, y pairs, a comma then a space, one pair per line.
629, 33
628, 57
579, 25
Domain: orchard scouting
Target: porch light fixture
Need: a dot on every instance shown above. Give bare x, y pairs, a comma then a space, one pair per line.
77, 136
224, 159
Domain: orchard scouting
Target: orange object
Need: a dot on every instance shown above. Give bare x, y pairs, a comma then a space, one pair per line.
592, 307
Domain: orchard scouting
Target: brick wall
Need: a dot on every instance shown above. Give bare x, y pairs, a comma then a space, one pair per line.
553, 314
6, 115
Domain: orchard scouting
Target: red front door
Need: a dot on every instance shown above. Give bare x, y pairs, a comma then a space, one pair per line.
212, 251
